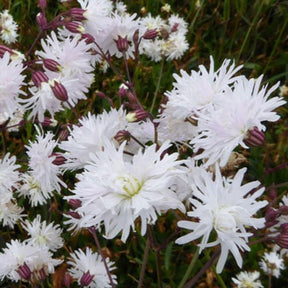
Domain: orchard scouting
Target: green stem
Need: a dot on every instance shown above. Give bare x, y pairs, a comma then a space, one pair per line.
190, 268
144, 263
158, 85
159, 276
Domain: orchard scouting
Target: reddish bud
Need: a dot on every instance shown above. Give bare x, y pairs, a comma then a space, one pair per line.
48, 122
38, 77
74, 214
67, 280
86, 279
175, 27
271, 214
59, 90
24, 271
52, 65
254, 137
150, 34
136, 37
283, 210
77, 14
75, 203
122, 136
59, 159
42, 4
4, 49
41, 21
75, 27
137, 115
122, 44
88, 38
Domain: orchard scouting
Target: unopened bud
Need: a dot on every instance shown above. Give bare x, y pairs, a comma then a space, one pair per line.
150, 34
136, 37
59, 159
74, 214
24, 271
122, 92
254, 137
48, 122
271, 214
77, 14
4, 49
41, 21
52, 65
42, 274
59, 90
88, 38
75, 203
283, 210
122, 44
282, 238
122, 136
75, 27
42, 4
137, 115
175, 27
38, 77
86, 279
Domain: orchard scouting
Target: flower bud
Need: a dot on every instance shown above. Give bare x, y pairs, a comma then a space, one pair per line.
88, 38
41, 21
67, 280
86, 279
24, 271
282, 238
4, 49
122, 136
283, 210
74, 214
77, 14
38, 77
75, 27
42, 4
75, 203
175, 27
48, 122
59, 90
122, 44
137, 115
59, 159
254, 137
271, 214
150, 34
136, 37
52, 65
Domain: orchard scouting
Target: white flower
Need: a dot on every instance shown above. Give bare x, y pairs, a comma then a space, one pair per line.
90, 135
43, 235
8, 28
9, 177
227, 207
83, 262
42, 169
272, 263
223, 129
115, 191
248, 280
17, 254
10, 213
11, 81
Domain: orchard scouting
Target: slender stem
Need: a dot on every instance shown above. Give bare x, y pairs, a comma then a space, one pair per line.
158, 85
194, 280
190, 268
144, 263
93, 232
270, 280
159, 275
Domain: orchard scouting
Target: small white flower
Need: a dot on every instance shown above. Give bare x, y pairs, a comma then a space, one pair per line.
83, 262
8, 28
10, 213
115, 191
9, 177
43, 235
45, 174
272, 263
248, 280
227, 207
17, 254
11, 81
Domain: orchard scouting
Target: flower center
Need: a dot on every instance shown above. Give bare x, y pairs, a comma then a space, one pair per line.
130, 185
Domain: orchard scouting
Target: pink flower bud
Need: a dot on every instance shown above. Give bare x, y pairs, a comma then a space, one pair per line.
42, 4
122, 136
75, 203
254, 137
52, 65
74, 214
4, 49
77, 14
59, 159
24, 271
41, 21
122, 44
150, 34
88, 38
59, 90
38, 77
67, 280
75, 27
86, 279
137, 115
